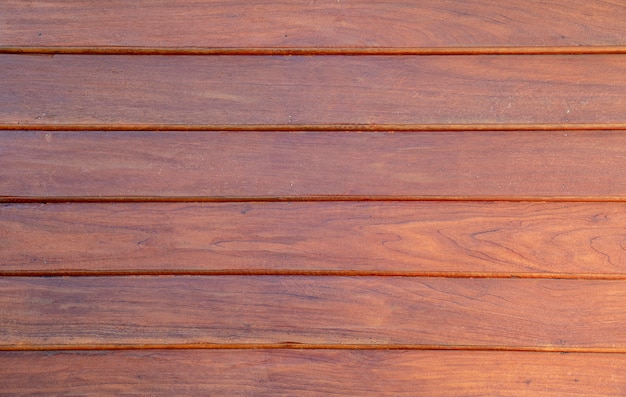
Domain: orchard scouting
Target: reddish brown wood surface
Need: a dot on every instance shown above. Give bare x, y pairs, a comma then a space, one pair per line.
238, 164
44, 90
327, 23
312, 372
231, 311
416, 238
285, 280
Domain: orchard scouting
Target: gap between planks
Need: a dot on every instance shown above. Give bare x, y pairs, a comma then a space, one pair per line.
304, 198
308, 346
316, 127
316, 273
319, 51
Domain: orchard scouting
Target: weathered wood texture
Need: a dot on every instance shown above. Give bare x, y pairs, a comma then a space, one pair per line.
312, 372
327, 23
319, 311
237, 90
239, 164
416, 238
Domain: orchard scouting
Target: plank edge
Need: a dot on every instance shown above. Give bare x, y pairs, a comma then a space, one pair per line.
306, 273
319, 51
307, 346
19, 126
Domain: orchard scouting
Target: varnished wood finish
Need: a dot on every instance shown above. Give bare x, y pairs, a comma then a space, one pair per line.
312, 198
311, 372
326, 23
381, 312
238, 164
410, 238
40, 90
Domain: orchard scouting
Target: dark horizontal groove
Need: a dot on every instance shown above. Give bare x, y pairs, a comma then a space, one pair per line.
486, 50
308, 346
304, 198
316, 127
308, 273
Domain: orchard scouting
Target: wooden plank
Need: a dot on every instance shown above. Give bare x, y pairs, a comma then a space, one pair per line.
237, 164
407, 238
312, 372
326, 23
127, 91
258, 311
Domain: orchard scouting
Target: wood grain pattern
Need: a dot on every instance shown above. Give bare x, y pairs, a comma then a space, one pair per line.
311, 372
186, 311
417, 238
237, 164
46, 90
324, 23
236, 207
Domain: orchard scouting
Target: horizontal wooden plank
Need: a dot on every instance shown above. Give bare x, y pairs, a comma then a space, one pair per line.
231, 311
237, 164
326, 23
44, 90
410, 238
321, 372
